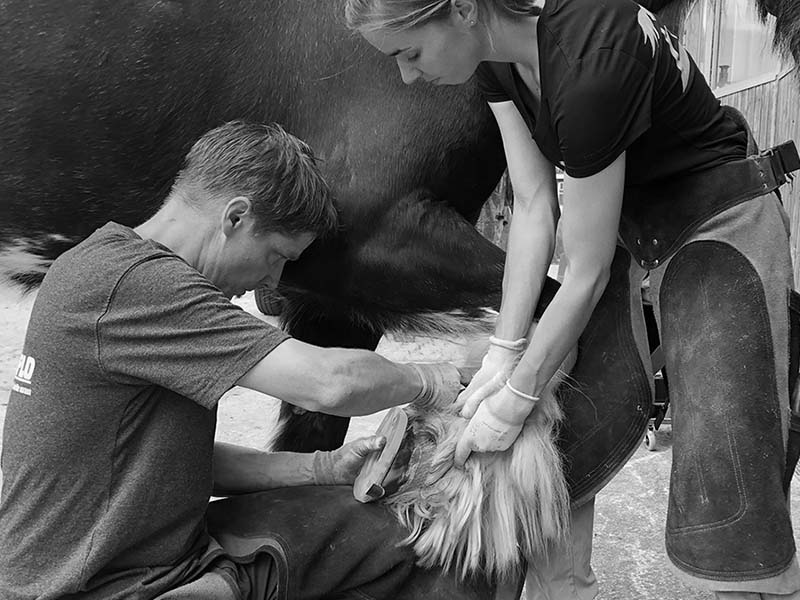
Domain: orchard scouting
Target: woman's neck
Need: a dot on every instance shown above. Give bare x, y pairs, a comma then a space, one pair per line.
513, 40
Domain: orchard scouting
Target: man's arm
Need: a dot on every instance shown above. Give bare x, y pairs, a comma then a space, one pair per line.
346, 382
242, 470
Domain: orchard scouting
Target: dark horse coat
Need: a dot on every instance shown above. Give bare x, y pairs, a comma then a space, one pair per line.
100, 102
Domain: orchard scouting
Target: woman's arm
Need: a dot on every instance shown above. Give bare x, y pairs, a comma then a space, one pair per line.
529, 252
589, 225
531, 239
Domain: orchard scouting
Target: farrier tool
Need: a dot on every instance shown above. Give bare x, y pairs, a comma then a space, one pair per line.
369, 483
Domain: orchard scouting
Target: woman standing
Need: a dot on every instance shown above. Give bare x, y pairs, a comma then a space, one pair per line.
605, 92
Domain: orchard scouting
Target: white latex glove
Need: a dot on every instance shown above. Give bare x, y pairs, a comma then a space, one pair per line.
496, 424
441, 383
341, 466
499, 362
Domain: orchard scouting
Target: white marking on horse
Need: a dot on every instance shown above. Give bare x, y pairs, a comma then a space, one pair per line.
23, 256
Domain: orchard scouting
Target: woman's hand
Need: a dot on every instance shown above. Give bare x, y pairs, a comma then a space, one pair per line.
499, 362
495, 426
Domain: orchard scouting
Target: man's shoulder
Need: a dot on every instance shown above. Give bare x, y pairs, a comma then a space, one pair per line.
105, 257
114, 245
83, 280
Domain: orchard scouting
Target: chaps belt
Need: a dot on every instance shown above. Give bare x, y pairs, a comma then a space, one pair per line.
658, 217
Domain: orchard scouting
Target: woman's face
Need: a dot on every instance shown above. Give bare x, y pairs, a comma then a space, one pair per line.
442, 52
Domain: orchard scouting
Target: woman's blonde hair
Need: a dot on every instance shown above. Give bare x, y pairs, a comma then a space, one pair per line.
398, 15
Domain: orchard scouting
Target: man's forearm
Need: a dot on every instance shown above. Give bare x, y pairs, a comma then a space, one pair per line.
363, 383
366, 383
242, 470
342, 381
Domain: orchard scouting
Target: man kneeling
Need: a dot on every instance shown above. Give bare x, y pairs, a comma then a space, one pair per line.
109, 457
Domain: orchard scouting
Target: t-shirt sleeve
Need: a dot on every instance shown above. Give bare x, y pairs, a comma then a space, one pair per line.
603, 104
489, 85
166, 324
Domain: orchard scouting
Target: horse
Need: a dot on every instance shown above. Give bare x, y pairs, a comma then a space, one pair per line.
100, 103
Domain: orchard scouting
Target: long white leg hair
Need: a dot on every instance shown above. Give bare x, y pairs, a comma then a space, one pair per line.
503, 507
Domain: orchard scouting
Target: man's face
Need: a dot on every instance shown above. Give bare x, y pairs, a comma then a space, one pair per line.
248, 259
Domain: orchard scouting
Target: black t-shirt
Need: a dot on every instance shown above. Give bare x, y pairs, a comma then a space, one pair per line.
614, 79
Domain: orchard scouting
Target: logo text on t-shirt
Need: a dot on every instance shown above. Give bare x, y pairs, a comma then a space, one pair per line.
652, 35
24, 375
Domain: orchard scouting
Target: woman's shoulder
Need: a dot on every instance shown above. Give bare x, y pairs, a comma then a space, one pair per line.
571, 30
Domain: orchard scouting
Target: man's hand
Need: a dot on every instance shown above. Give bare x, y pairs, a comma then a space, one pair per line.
499, 362
496, 424
440, 383
341, 466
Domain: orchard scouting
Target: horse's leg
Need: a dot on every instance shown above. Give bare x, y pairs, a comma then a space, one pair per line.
409, 265
418, 265
305, 431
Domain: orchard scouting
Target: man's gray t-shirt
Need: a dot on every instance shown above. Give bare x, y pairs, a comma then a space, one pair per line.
108, 440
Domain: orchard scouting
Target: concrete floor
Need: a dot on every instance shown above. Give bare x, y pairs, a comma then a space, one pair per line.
629, 555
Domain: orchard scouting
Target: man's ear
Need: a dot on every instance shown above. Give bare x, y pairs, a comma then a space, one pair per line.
237, 211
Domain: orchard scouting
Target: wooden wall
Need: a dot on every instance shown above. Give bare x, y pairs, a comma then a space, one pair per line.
773, 111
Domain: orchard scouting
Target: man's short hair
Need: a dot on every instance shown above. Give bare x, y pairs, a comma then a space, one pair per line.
274, 169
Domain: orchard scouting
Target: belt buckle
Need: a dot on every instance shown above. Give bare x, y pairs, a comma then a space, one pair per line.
783, 159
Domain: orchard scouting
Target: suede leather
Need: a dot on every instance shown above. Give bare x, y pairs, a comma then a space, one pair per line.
608, 398
723, 298
793, 450
728, 454
657, 219
324, 544
721, 302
